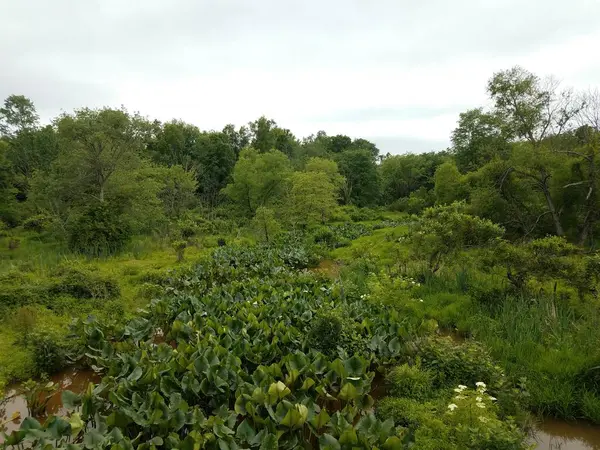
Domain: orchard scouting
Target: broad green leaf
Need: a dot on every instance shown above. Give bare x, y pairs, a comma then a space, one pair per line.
136, 374
321, 419
328, 442
269, 443
349, 436
395, 345
355, 366
92, 438
245, 432
308, 383
30, 424
393, 443
348, 392
70, 400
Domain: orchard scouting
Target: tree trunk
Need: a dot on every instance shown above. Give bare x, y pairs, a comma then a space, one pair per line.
552, 209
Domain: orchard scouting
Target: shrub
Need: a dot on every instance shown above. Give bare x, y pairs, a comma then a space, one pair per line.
37, 223
99, 231
48, 354
83, 283
404, 411
332, 330
410, 381
453, 363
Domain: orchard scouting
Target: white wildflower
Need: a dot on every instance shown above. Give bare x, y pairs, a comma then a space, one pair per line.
421, 300
480, 405
484, 419
492, 398
452, 406
480, 384
459, 397
462, 387
479, 399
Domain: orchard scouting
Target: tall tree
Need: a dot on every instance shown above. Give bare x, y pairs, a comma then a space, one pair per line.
362, 179
478, 139
312, 197
100, 141
216, 159
18, 114
259, 179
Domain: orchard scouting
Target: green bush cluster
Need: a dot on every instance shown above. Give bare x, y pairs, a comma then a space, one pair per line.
83, 283
333, 330
410, 381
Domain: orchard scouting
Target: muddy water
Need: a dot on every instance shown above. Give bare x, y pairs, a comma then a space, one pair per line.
15, 405
553, 434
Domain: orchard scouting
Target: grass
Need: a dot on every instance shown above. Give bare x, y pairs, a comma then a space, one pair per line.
35, 262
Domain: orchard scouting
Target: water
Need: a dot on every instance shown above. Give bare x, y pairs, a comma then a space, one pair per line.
15, 405
554, 434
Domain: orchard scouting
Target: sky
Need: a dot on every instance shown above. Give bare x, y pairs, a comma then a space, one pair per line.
397, 72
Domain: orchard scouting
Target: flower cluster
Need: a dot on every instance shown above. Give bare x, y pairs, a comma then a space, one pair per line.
467, 398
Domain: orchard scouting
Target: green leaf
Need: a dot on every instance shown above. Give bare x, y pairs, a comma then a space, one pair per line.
328, 442
245, 431
348, 392
30, 424
59, 427
308, 383
93, 438
320, 420
355, 366
156, 440
349, 436
269, 443
70, 400
395, 345
136, 374
277, 391
393, 443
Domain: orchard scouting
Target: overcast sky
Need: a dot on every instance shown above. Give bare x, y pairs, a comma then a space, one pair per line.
397, 72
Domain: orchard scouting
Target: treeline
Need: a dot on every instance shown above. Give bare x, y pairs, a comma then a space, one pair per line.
95, 177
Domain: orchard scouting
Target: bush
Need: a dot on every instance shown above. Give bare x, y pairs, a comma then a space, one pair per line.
453, 363
99, 231
410, 381
83, 283
333, 330
404, 411
37, 223
48, 354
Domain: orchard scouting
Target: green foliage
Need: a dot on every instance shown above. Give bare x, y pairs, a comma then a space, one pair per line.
312, 197
362, 178
332, 331
448, 184
259, 179
410, 381
265, 224
100, 230
48, 354
83, 283
443, 231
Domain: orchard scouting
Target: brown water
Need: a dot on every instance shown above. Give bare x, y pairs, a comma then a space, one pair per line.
554, 434
15, 405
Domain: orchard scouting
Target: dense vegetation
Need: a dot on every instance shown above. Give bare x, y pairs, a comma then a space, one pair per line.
246, 289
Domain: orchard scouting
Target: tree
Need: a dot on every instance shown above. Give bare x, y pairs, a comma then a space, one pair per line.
529, 108
443, 231
238, 139
266, 135
449, 185
259, 179
176, 143
177, 190
339, 143
363, 144
328, 167
362, 179
17, 115
478, 139
8, 203
100, 142
312, 197
265, 225
403, 174
216, 159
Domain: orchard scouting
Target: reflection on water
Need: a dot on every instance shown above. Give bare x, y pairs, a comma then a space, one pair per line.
15, 406
554, 434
